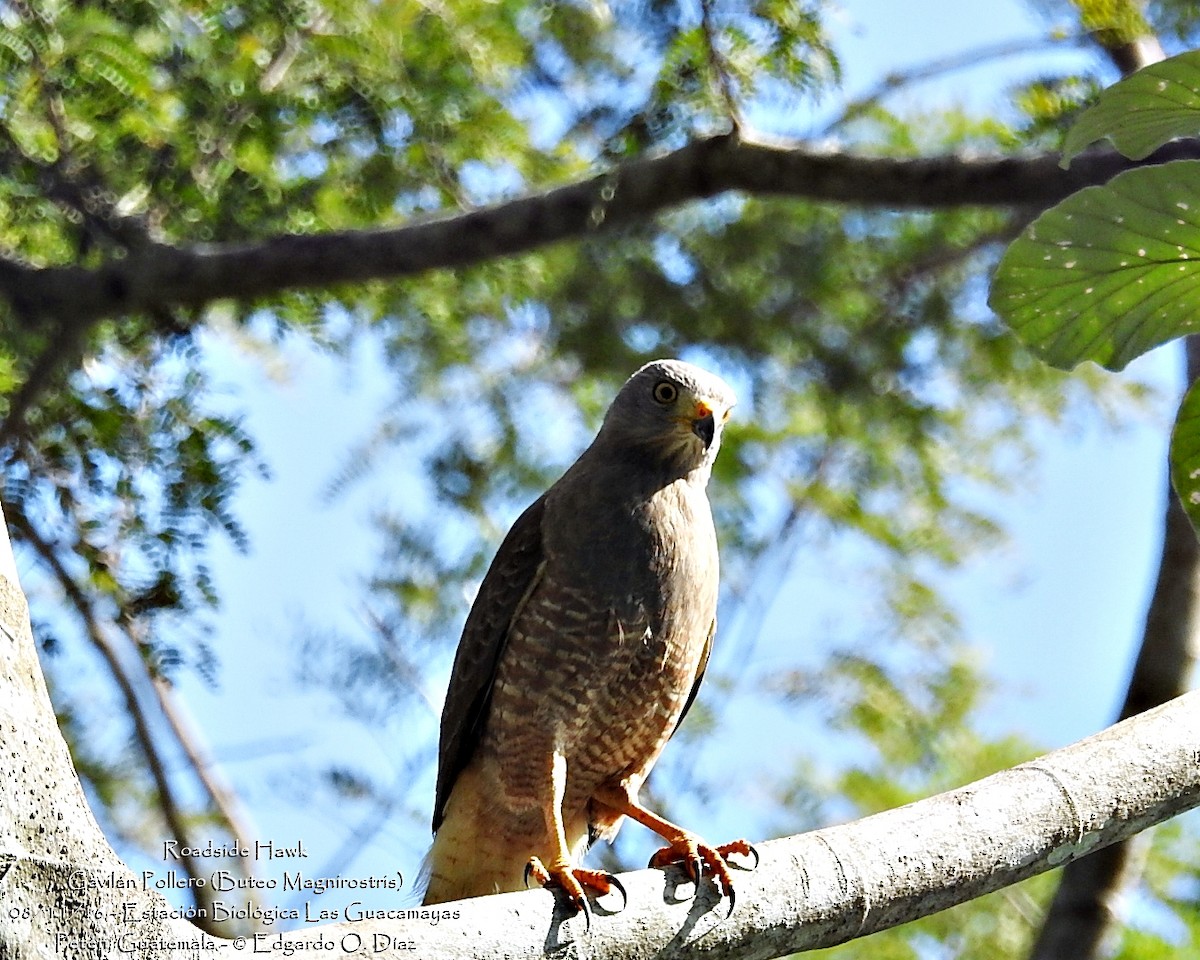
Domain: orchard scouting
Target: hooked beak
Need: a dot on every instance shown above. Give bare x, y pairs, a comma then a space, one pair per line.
704, 424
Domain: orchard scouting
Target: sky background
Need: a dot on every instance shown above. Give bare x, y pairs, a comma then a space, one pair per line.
1056, 615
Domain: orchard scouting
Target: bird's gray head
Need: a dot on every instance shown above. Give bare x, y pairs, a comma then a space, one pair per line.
671, 414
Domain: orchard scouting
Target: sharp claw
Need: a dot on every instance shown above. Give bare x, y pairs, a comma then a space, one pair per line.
620, 886
696, 859
569, 884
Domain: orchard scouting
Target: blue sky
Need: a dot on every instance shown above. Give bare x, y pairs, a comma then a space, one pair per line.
1057, 614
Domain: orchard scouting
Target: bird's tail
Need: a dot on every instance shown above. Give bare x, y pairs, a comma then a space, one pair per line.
480, 849
470, 856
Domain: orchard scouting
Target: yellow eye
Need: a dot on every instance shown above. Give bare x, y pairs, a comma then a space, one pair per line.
665, 392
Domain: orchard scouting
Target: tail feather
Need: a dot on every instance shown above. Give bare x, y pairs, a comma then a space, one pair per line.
470, 856
481, 849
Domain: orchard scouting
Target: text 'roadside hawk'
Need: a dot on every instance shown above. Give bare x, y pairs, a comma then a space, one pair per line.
582, 652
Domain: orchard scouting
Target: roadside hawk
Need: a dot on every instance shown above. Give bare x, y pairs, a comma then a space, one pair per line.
583, 651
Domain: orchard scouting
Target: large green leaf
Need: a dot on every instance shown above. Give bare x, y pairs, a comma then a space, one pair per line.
1110, 272
1143, 111
1185, 454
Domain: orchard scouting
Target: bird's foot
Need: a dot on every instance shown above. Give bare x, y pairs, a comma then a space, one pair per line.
698, 858
572, 881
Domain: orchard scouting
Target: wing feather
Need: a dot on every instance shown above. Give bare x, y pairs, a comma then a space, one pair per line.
699, 676
505, 588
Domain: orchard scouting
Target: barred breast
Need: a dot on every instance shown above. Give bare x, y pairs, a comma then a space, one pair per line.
602, 677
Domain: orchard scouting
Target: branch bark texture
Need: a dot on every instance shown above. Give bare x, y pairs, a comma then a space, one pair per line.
64, 892
158, 277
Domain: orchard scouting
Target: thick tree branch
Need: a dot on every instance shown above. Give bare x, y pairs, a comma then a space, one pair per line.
162, 277
158, 279
223, 799
65, 891
837, 884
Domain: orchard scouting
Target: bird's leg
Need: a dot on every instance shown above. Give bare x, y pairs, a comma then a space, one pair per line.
558, 871
683, 846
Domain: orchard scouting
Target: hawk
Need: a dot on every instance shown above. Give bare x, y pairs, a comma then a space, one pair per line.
583, 651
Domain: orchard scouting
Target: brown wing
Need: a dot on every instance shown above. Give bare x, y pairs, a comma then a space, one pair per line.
699, 676
505, 587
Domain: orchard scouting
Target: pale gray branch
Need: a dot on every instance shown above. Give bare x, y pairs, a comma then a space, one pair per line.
62, 891
836, 884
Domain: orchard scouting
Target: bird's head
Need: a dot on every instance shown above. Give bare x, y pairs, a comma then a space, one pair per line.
671, 413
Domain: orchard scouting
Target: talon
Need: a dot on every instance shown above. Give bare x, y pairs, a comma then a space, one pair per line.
613, 881
697, 858
572, 881
561, 877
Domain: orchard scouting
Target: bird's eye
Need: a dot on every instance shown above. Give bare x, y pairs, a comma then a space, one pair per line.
665, 392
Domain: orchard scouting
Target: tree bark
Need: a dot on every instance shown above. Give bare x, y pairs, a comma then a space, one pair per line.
171, 283
158, 277
64, 892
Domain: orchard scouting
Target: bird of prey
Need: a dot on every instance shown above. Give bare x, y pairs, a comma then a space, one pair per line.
583, 651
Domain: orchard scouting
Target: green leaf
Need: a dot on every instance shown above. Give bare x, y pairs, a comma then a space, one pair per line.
1143, 111
1185, 454
1108, 273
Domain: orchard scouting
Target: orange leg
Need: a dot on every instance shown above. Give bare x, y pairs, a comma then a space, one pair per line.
559, 872
683, 846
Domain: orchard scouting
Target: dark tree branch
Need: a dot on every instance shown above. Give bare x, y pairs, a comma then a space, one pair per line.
1085, 908
157, 278
64, 345
160, 276
1164, 663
